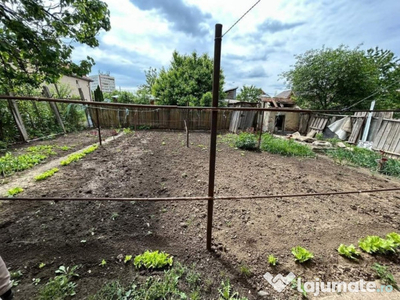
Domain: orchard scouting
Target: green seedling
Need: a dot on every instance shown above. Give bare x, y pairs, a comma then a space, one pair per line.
46, 174
385, 276
103, 263
348, 251
114, 215
153, 260
226, 293
245, 270
127, 259
375, 244
35, 281
14, 191
42, 265
301, 254
272, 260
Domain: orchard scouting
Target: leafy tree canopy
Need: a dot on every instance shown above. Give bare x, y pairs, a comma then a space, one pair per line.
185, 82
37, 37
249, 93
340, 78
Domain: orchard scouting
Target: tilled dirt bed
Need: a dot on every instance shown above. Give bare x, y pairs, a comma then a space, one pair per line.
158, 164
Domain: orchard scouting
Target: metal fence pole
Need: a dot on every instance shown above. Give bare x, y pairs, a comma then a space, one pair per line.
214, 120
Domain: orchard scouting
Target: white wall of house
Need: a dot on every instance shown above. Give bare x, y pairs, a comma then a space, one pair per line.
77, 82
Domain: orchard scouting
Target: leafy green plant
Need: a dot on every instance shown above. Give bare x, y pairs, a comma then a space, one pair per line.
246, 141
10, 164
42, 149
395, 238
226, 293
348, 251
46, 174
375, 244
103, 263
153, 260
77, 156
301, 254
284, 147
384, 274
244, 270
14, 191
272, 260
64, 148
319, 136
42, 265
128, 130
60, 287
15, 276
127, 258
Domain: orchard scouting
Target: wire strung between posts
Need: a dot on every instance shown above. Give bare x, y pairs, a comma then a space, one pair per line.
201, 198
241, 18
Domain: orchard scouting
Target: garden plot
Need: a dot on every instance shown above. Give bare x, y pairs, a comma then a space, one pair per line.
246, 232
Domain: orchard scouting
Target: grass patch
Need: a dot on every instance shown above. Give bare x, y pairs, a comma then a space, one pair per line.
284, 147
246, 141
365, 158
46, 174
77, 156
14, 191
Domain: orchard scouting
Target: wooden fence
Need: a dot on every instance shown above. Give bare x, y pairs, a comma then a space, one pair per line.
387, 138
158, 118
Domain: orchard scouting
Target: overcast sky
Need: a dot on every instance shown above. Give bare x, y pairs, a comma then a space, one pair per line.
145, 32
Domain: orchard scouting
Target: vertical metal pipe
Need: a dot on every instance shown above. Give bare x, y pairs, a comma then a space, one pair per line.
98, 125
214, 120
261, 127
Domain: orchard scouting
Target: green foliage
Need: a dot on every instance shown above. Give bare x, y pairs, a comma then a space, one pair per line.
301, 254
10, 164
348, 251
46, 174
98, 95
226, 293
374, 244
153, 260
42, 149
185, 82
45, 39
319, 136
15, 277
249, 93
338, 78
244, 270
14, 191
61, 286
365, 158
77, 156
384, 274
284, 147
127, 258
395, 238
272, 260
206, 99
246, 141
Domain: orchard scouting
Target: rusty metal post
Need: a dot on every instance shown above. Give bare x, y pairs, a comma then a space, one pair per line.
261, 128
214, 120
98, 125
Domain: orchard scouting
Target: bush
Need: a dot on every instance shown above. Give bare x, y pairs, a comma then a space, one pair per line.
246, 141
284, 147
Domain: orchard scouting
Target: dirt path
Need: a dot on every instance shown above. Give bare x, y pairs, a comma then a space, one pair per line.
158, 164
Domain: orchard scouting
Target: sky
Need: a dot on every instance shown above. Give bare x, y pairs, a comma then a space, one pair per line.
255, 52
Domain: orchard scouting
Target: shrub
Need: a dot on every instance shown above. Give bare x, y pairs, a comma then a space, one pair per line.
284, 147
246, 141
153, 260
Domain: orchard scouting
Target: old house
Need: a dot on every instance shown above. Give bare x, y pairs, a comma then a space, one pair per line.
231, 93
280, 122
76, 82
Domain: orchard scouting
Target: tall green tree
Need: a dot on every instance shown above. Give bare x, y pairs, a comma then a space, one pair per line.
185, 82
249, 93
340, 78
37, 38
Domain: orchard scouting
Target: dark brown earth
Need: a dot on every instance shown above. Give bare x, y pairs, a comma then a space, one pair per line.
157, 164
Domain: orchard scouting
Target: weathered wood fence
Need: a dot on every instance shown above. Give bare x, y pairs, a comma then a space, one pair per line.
158, 118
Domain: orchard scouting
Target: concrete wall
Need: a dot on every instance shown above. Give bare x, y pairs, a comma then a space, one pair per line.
74, 83
291, 121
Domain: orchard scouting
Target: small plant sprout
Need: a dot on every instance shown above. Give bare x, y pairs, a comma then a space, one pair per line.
103, 263
114, 215
14, 191
384, 275
348, 251
245, 270
127, 259
42, 265
35, 281
272, 260
301, 254
153, 260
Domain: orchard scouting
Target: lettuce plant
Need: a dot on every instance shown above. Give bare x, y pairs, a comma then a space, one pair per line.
374, 244
272, 260
348, 251
46, 174
153, 260
14, 191
301, 254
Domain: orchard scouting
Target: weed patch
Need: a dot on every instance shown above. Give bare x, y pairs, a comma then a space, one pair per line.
284, 147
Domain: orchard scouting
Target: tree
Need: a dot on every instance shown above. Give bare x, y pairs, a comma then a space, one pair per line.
37, 38
340, 78
249, 93
186, 81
